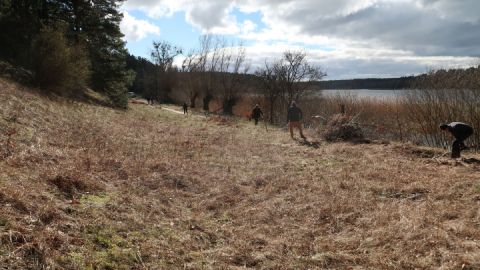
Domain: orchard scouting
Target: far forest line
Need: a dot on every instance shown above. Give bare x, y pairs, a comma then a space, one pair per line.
370, 83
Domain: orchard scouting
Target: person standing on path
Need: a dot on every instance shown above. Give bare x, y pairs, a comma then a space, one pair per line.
185, 108
294, 118
461, 132
257, 113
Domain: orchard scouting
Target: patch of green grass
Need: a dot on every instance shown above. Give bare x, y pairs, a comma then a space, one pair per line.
3, 222
106, 237
170, 234
224, 218
96, 200
477, 188
104, 241
115, 258
73, 260
112, 251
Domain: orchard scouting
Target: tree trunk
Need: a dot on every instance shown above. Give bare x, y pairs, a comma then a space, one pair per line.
206, 102
228, 105
271, 111
193, 99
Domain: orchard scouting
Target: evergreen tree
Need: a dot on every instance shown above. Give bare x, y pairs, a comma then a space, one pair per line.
107, 49
145, 73
19, 24
93, 24
59, 67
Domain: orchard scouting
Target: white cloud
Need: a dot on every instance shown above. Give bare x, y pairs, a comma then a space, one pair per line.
348, 37
156, 8
248, 27
464, 10
426, 27
347, 63
212, 16
135, 29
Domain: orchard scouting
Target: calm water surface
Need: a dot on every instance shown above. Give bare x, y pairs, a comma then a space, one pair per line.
367, 93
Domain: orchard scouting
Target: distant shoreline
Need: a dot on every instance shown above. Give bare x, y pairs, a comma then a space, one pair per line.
370, 84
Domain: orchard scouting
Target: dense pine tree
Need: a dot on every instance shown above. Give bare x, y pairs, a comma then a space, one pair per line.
91, 24
107, 49
144, 80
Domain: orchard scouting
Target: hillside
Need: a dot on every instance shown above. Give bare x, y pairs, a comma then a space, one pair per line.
87, 187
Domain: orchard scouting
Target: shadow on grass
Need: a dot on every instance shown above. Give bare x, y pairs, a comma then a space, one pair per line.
306, 142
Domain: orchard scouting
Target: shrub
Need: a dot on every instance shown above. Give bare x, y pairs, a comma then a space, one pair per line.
60, 67
15, 73
71, 186
117, 92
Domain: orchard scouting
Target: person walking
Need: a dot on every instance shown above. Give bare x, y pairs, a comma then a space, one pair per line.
461, 132
185, 108
294, 118
257, 113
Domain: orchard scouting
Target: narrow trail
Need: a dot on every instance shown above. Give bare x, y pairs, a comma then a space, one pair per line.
181, 112
172, 110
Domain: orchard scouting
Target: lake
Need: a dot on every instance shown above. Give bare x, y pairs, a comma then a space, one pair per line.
366, 93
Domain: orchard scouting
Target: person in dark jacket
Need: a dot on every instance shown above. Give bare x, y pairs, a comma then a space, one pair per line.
461, 132
257, 113
185, 108
294, 118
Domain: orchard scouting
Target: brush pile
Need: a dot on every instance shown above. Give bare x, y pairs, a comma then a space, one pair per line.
342, 128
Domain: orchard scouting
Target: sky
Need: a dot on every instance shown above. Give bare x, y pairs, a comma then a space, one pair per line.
346, 38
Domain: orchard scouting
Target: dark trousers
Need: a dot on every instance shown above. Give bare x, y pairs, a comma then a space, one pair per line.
256, 121
458, 145
185, 110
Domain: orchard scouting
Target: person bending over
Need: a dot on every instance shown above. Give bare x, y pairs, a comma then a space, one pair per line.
461, 132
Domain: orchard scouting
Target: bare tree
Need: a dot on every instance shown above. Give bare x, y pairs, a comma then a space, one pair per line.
298, 74
191, 69
270, 76
232, 70
287, 79
214, 70
163, 54
207, 61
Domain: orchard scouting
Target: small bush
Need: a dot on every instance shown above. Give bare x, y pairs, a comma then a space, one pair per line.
70, 186
117, 92
342, 128
15, 73
15, 200
48, 215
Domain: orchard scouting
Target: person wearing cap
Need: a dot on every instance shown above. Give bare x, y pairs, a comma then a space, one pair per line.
294, 118
461, 132
256, 113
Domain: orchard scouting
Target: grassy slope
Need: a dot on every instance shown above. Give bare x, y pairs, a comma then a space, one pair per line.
83, 186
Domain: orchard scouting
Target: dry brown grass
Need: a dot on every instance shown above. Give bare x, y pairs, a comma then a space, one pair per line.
379, 118
157, 190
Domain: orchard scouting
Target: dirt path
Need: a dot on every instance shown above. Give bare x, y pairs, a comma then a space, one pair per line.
190, 113
172, 110
181, 112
